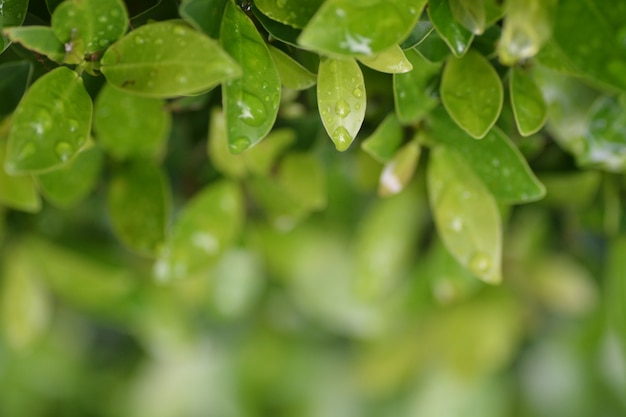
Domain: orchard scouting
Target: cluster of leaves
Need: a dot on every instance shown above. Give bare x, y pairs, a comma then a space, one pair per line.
111, 112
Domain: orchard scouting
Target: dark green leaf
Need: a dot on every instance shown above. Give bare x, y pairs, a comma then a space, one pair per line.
296, 13
292, 74
12, 13
204, 15
14, 78
39, 39
453, 33
528, 104
411, 92
433, 48
386, 139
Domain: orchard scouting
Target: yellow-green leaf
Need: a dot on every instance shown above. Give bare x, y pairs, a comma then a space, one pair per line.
529, 107
412, 94
40, 39
12, 13
296, 13
392, 61
457, 37
386, 139
292, 74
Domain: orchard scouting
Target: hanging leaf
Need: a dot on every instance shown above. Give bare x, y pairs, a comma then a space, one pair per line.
392, 61
14, 78
39, 39
341, 100
495, 159
138, 204
50, 124
292, 74
12, 13
204, 15
167, 59
399, 171
472, 93
345, 27
250, 102
296, 13
17, 192
466, 215
386, 139
208, 224
67, 186
472, 14
411, 93
127, 125
529, 107
453, 33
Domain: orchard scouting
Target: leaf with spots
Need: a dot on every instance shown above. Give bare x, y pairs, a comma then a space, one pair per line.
349, 28
138, 204
207, 225
457, 37
341, 99
128, 125
167, 59
391, 61
412, 93
529, 107
466, 214
88, 26
17, 192
39, 39
12, 14
296, 13
50, 125
250, 102
292, 74
495, 159
472, 93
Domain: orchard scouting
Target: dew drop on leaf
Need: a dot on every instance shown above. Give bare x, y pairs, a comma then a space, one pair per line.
342, 138
342, 109
252, 110
139, 40
358, 93
479, 263
63, 151
239, 145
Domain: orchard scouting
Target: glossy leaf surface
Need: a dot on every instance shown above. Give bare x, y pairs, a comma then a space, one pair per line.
344, 27
420, 31
14, 78
292, 74
40, 39
50, 124
452, 32
250, 102
167, 59
398, 172
204, 15
472, 14
495, 159
209, 224
138, 203
341, 100
411, 93
386, 139
392, 61
127, 125
472, 93
466, 215
282, 32
296, 13
12, 13
529, 107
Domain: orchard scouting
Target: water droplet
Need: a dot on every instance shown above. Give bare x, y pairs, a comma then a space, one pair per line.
59, 106
27, 150
239, 145
455, 224
63, 151
479, 263
358, 93
180, 31
342, 138
139, 40
342, 108
252, 110
73, 125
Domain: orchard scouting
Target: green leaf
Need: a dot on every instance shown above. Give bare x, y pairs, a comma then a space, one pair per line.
17, 192
39, 39
529, 107
466, 215
420, 31
251, 102
284, 33
399, 171
472, 14
345, 27
392, 61
412, 94
50, 124
12, 13
220, 156
472, 93
14, 78
292, 74
616, 288
386, 139
204, 15
453, 33
281, 208
303, 177
67, 186
341, 100
296, 13
597, 47
495, 159
208, 224
139, 204
53, 4
433, 48
88, 26
167, 59
127, 125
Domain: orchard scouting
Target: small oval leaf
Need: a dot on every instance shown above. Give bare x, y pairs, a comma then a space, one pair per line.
411, 93
529, 107
296, 13
40, 39
453, 33
392, 61
204, 15
292, 74
12, 13
472, 14
386, 139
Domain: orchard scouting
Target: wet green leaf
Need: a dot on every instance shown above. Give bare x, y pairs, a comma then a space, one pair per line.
17, 192
341, 100
528, 104
39, 39
204, 15
127, 125
139, 204
284, 33
50, 124
392, 61
12, 13
292, 74
411, 94
597, 47
495, 159
466, 215
472, 14
14, 78
167, 59
472, 93
453, 33
345, 27
386, 139
399, 171
88, 26
208, 224
420, 31
250, 102
67, 186
433, 48
296, 13
302, 176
